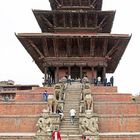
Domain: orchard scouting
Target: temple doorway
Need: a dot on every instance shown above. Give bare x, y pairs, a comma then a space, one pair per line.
75, 72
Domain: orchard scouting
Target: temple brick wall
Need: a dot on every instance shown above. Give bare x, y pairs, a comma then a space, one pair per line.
18, 108
119, 108
107, 123
121, 97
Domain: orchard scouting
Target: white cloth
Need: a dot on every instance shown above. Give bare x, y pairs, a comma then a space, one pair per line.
72, 112
99, 78
69, 77
55, 136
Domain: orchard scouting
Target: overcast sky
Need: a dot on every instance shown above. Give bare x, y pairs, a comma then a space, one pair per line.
16, 64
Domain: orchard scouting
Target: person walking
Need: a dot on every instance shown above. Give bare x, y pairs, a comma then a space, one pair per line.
98, 81
72, 115
69, 79
56, 135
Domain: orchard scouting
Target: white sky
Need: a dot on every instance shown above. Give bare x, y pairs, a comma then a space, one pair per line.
16, 64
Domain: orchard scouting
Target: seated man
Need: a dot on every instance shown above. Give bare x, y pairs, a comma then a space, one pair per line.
45, 96
60, 112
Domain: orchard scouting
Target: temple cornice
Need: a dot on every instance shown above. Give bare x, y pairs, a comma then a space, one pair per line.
76, 61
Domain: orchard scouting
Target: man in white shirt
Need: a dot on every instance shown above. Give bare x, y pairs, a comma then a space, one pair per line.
72, 115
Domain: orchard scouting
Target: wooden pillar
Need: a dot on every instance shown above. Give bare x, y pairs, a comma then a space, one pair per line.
92, 46
57, 75
79, 20
104, 73
80, 46
45, 47
71, 2
80, 2
105, 47
45, 75
69, 70
85, 20
81, 72
64, 20
55, 47
92, 71
71, 20
54, 19
62, 2
68, 46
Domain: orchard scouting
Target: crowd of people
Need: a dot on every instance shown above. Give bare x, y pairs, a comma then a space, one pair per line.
99, 81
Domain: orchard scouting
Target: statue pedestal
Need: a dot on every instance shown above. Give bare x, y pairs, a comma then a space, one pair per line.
90, 137
88, 125
42, 137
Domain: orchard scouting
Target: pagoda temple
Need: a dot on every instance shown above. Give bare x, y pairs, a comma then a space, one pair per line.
75, 40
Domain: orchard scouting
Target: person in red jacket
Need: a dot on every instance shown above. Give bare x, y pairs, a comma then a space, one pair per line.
56, 135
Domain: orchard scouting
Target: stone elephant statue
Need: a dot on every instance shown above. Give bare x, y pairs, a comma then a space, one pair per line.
52, 103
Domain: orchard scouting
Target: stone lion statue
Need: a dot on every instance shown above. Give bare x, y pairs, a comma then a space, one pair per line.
52, 103
88, 101
58, 91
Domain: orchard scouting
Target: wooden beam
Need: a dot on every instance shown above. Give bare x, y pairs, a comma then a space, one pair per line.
103, 21
36, 49
45, 47
47, 21
56, 1
114, 48
93, 3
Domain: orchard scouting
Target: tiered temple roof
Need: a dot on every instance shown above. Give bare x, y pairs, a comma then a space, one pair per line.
75, 33
75, 4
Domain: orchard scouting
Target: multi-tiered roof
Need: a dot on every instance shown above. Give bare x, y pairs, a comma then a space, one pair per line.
75, 33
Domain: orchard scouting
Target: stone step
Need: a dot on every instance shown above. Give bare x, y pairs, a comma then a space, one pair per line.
70, 131
69, 136
70, 126
68, 123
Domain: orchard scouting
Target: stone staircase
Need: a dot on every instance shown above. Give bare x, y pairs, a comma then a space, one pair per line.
71, 131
